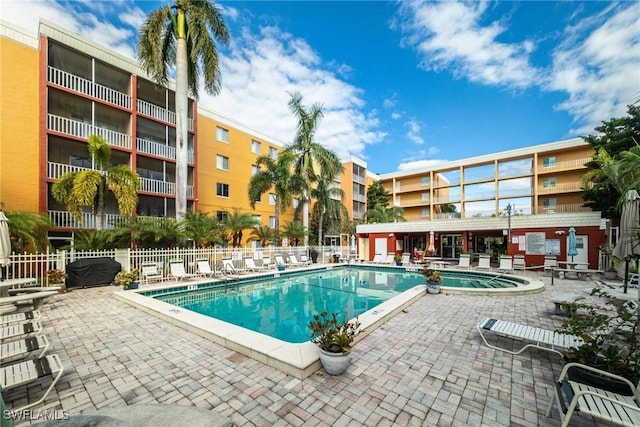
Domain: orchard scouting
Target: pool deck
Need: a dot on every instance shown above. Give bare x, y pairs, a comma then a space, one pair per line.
425, 366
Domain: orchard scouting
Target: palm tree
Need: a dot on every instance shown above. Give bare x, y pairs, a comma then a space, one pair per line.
263, 233
203, 229
93, 240
309, 153
382, 214
294, 231
276, 175
236, 222
183, 35
326, 196
28, 229
77, 189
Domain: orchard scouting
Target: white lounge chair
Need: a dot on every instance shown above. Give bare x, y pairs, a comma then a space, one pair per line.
250, 265
506, 264
484, 262
204, 268
11, 349
550, 262
228, 267
21, 373
390, 258
378, 259
304, 260
266, 263
464, 262
149, 271
178, 271
543, 339
406, 258
16, 330
519, 263
279, 261
592, 401
293, 261
25, 316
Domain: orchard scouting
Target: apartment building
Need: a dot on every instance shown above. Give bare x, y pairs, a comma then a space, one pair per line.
492, 203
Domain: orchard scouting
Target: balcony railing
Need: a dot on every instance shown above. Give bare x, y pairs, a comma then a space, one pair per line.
152, 110
566, 187
566, 208
161, 187
56, 170
87, 87
64, 219
83, 130
566, 165
160, 150
402, 188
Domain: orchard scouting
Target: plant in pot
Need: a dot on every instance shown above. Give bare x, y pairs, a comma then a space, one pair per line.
434, 280
334, 340
611, 337
57, 278
398, 259
127, 279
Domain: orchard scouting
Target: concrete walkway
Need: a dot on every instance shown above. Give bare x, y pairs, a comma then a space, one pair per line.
426, 366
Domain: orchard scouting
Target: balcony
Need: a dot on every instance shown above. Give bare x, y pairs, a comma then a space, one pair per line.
566, 208
160, 150
81, 129
160, 113
64, 219
87, 87
403, 188
568, 165
567, 187
56, 170
161, 187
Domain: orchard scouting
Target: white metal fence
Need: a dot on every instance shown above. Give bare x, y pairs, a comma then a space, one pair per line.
36, 265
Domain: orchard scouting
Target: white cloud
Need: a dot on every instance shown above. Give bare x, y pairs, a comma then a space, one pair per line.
450, 35
420, 164
597, 66
413, 132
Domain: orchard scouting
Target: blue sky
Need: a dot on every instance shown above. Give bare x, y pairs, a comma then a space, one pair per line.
403, 84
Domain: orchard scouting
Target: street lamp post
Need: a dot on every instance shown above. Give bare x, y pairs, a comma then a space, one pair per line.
509, 223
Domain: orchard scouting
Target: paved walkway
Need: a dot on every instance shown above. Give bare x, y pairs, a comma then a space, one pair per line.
426, 366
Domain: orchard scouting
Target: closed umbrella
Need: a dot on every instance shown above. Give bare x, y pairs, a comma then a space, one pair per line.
628, 245
5, 243
572, 250
432, 247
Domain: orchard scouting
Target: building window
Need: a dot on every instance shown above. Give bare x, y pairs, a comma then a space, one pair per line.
549, 205
255, 170
255, 146
222, 190
272, 199
549, 182
424, 180
548, 162
425, 197
398, 201
257, 219
273, 153
222, 215
222, 134
272, 221
426, 213
222, 162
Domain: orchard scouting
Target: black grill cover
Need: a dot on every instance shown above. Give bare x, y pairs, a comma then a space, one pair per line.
92, 271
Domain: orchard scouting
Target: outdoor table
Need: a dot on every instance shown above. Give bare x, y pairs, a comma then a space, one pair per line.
5, 285
572, 265
440, 264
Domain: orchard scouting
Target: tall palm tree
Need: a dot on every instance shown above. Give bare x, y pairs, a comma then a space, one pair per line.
328, 199
183, 35
263, 233
294, 231
77, 189
236, 222
276, 175
309, 154
203, 229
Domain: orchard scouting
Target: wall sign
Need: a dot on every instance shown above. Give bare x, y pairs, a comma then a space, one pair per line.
535, 243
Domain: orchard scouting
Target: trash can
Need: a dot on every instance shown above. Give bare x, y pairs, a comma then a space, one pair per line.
336, 258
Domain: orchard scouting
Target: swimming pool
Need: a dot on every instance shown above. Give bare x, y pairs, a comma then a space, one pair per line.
372, 293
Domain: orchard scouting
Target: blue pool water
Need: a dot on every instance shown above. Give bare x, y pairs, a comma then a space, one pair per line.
282, 307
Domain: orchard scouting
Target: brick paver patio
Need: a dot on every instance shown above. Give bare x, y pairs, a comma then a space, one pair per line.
426, 366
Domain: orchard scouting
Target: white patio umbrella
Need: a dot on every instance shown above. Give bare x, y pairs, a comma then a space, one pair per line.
628, 245
5, 243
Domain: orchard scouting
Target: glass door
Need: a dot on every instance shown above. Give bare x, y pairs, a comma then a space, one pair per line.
451, 245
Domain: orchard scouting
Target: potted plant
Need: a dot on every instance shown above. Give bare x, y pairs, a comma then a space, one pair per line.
398, 259
434, 280
334, 340
611, 337
57, 278
127, 279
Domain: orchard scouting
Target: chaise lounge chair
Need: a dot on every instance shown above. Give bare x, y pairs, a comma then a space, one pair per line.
506, 264
464, 262
484, 262
21, 373
204, 269
519, 262
18, 329
228, 267
11, 349
593, 401
178, 271
250, 265
149, 271
542, 339
293, 261
24, 316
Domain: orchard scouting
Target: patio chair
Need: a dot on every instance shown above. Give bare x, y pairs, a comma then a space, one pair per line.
266, 263
550, 262
11, 349
279, 261
542, 339
506, 264
304, 260
406, 258
591, 400
378, 259
24, 316
519, 262
464, 262
228, 267
149, 271
389, 259
250, 265
293, 261
203, 268
484, 262
16, 330
21, 373
178, 271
